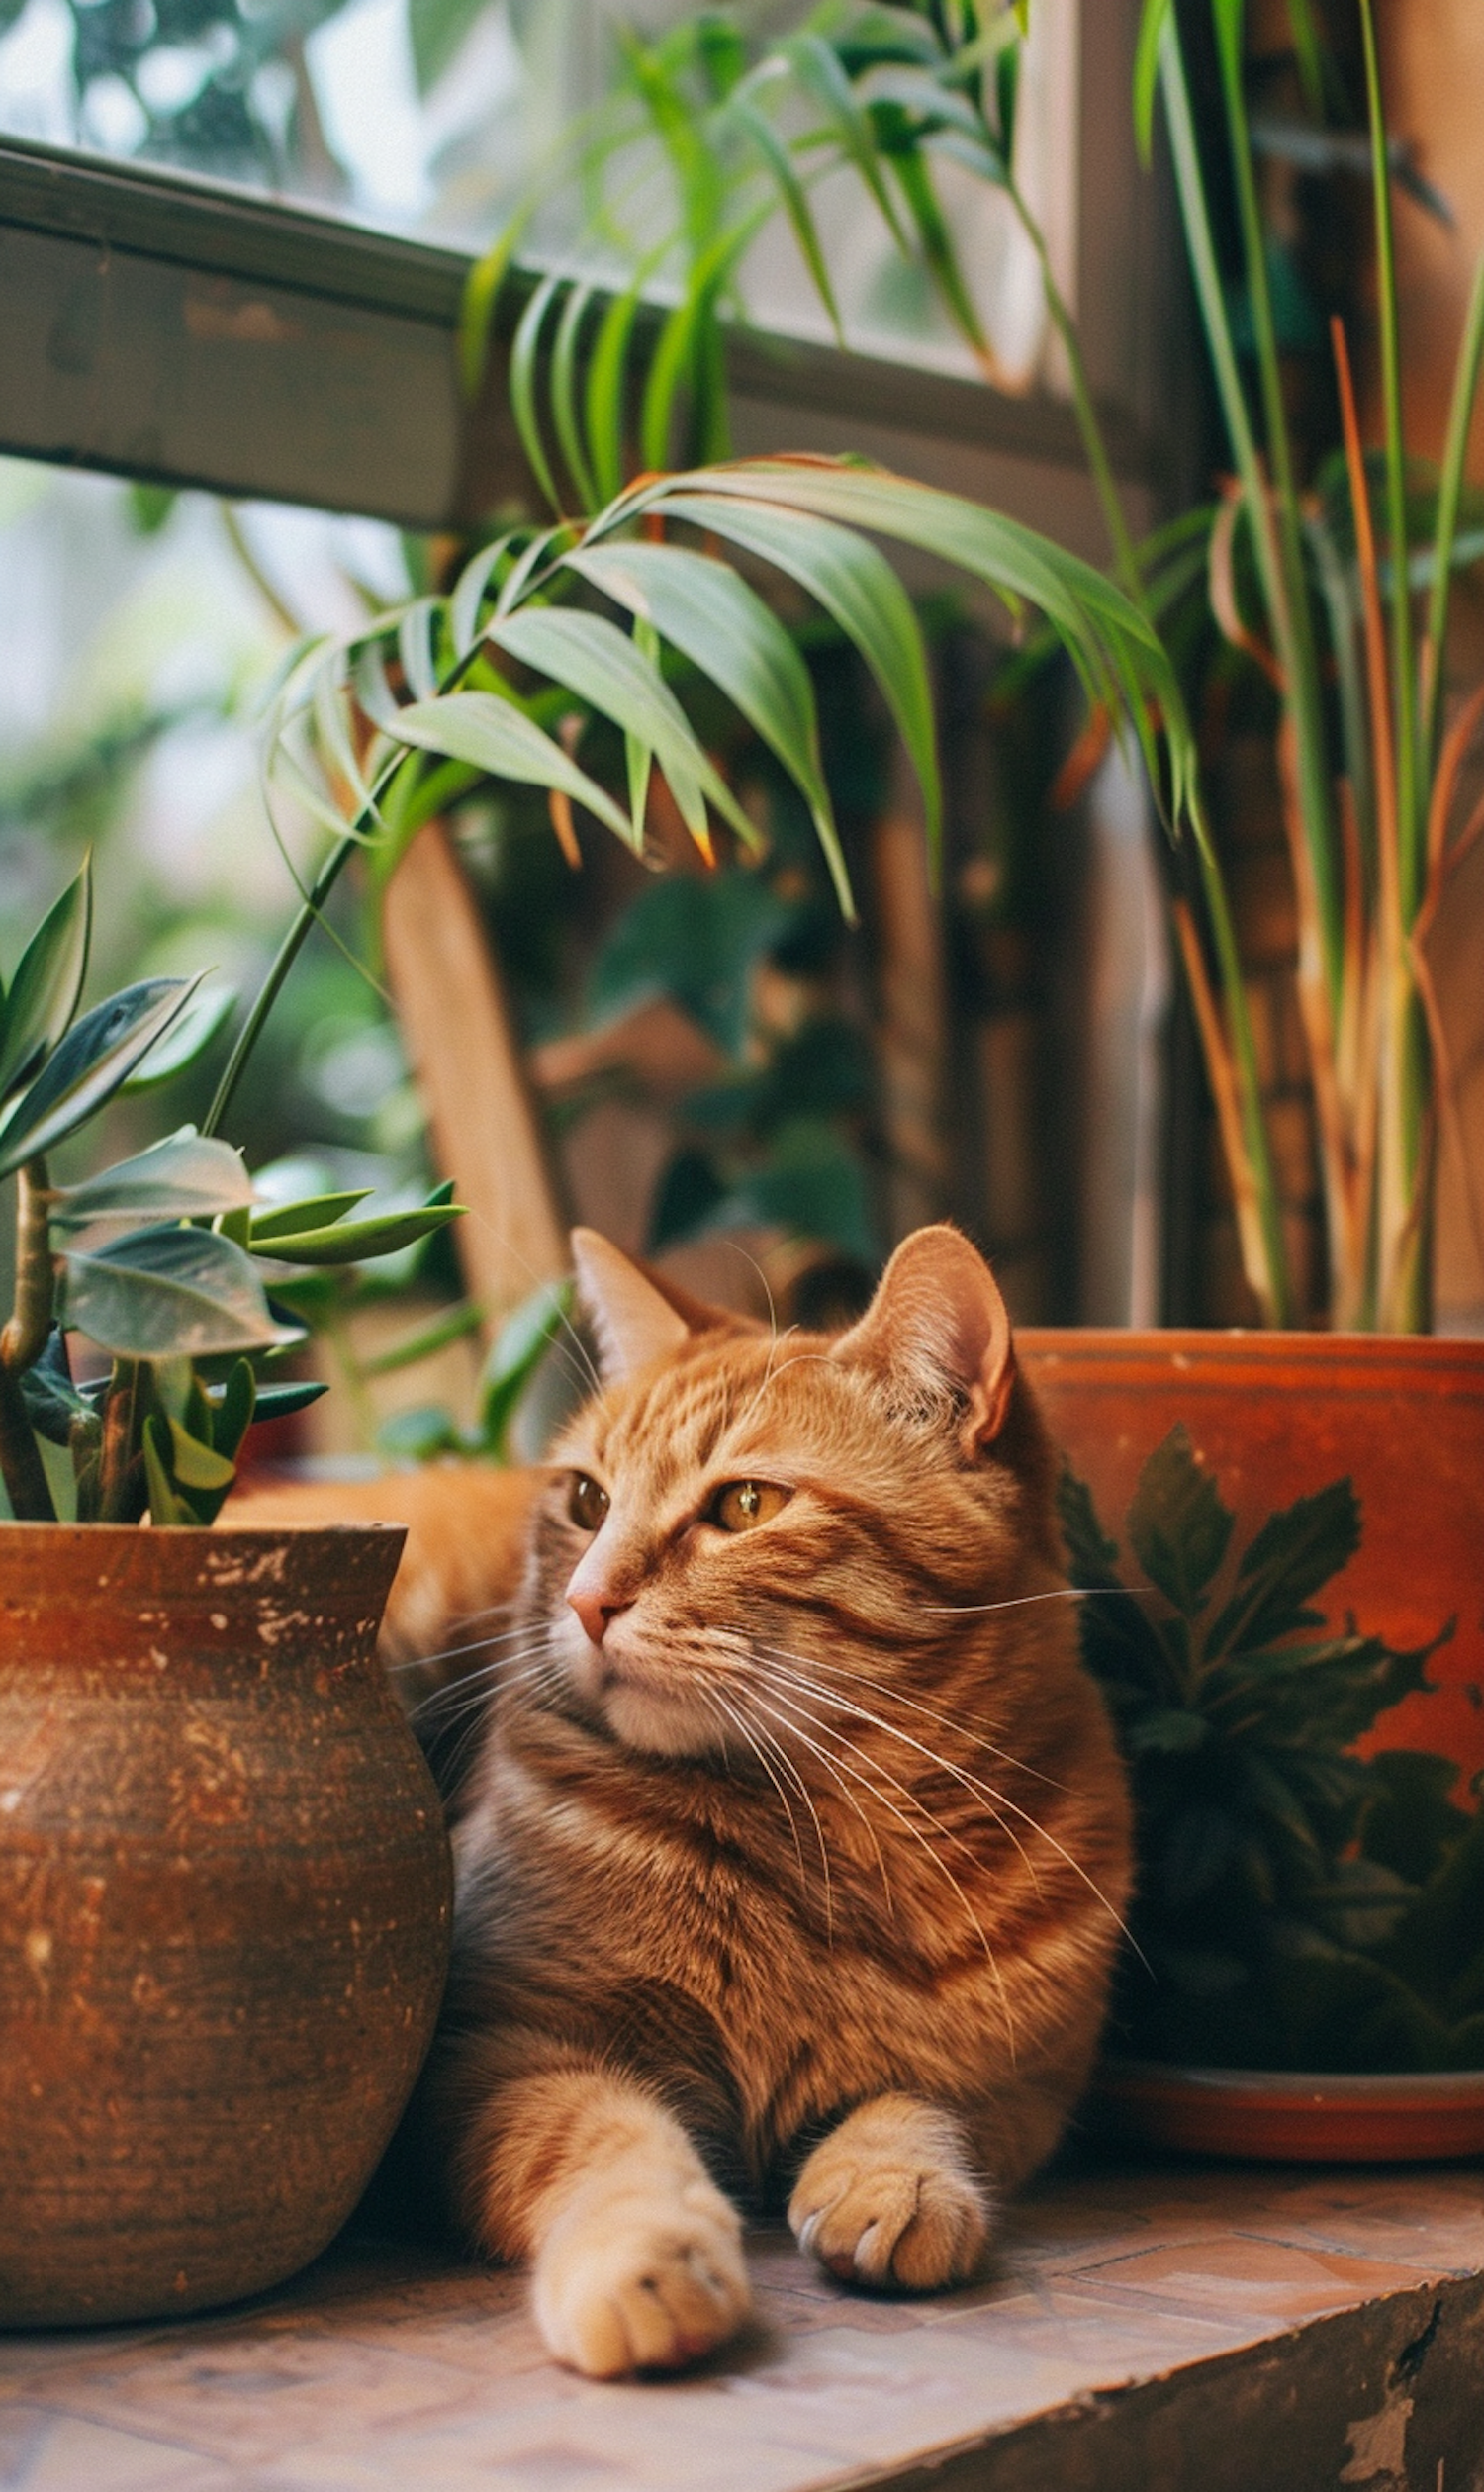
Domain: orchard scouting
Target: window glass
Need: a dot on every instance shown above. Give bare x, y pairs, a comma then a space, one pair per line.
430, 117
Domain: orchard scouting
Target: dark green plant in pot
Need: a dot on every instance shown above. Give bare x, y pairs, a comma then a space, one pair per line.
164, 1261
1298, 1906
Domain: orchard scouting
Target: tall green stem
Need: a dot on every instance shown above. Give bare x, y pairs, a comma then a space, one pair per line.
21, 1343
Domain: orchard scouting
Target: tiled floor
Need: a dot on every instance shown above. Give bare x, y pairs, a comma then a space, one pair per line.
382, 2368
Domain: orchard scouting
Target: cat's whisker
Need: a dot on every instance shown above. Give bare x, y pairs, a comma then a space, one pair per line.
1022, 1600
475, 1687
456, 1652
805, 1794
991, 1798
960, 1725
792, 1686
574, 1357
718, 1701
916, 1831
831, 1768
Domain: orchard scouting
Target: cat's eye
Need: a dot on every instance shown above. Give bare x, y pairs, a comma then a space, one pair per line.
743, 1504
587, 1502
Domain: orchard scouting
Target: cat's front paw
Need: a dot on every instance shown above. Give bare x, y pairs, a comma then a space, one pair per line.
888, 2199
624, 2287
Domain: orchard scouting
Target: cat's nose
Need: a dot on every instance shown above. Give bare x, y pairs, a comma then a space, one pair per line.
596, 1601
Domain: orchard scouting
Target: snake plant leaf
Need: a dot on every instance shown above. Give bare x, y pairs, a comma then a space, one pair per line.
478, 727
357, 1241
1177, 1525
593, 658
713, 619
312, 1211
38, 1011
857, 587
187, 1177
169, 1293
93, 1060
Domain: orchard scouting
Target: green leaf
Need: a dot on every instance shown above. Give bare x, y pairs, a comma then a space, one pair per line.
188, 1176
1295, 1552
195, 1466
811, 1186
52, 1400
696, 941
1146, 71
93, 1060
522, 384
278, 1401
455, 1323
593, 658
198, 1025
418, 1435
38, 1011
168, 1293
563, 394
168, 1507
1177, 1526
521, 1346
231, 1414
604, 398
857, 587
357, 1241
436, 30
480, 728
312, 1211
713, 619
795, 198
822, 77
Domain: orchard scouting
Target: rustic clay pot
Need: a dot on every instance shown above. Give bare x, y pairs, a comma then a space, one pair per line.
224, 1902
1279, 1414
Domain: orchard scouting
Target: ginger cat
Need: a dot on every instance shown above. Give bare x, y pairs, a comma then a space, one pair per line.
798, 1840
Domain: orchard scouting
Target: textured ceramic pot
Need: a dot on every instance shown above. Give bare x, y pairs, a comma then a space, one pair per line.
225, 1906
1280, 1414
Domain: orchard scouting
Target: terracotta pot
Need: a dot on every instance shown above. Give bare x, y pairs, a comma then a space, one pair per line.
1279, 1414
224, 1903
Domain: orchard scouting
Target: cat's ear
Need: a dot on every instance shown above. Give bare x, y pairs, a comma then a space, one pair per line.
938, 1328
631, 1322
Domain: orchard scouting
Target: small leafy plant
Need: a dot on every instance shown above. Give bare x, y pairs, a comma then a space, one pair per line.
1298, 1906
164, 1261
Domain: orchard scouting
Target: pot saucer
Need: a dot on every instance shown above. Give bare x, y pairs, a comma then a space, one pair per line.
1278, 2117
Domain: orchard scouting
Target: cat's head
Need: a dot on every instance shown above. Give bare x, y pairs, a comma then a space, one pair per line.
738, 1512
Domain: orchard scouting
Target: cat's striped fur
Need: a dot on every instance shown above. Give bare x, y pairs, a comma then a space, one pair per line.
797, 1840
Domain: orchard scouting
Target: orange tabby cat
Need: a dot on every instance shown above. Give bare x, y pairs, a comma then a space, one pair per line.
798, 1840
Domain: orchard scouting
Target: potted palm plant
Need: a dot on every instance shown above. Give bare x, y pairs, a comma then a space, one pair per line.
222, 1860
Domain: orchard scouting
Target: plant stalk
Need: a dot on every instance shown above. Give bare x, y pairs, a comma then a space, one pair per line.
21, 1343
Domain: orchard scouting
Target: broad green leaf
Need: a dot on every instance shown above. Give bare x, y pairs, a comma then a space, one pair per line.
38, 1011
195, 1029
93, 1060
52, 1402
312, 1211
357, 1241
1296, 1551
713, 619
196, 1465
1177, 1526
169, 1293
188, 1176
857, 585
477, 727
593, 658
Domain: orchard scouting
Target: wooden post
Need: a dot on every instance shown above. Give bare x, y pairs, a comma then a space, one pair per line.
460, 1039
